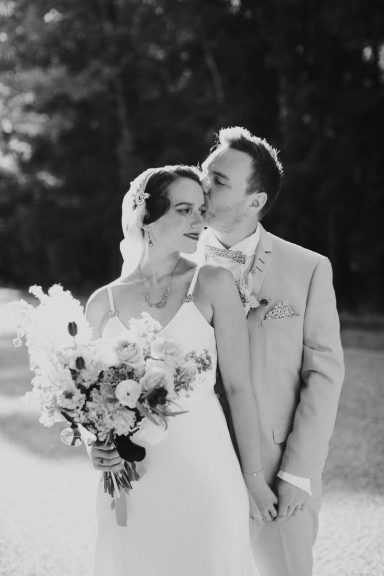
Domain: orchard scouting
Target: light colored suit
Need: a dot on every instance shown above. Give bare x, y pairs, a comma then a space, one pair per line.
297, 373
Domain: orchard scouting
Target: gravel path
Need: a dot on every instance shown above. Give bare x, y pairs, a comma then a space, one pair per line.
47, 518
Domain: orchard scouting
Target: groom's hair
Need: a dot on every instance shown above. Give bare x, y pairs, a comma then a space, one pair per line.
267, 170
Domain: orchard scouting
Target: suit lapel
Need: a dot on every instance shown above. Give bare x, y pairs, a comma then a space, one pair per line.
262, 259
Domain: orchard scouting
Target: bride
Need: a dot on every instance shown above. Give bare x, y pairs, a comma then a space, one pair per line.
189, 512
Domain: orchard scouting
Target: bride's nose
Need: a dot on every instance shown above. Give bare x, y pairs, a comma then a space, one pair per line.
198, 221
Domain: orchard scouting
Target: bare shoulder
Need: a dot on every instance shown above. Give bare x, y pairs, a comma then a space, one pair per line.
217, 280
97, 306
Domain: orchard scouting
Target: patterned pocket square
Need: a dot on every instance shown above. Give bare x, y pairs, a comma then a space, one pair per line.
281, 310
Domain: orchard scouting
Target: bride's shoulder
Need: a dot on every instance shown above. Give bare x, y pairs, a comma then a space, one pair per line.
98, 305
216, 277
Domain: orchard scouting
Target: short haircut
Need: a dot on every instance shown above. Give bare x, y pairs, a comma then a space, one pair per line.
267, 170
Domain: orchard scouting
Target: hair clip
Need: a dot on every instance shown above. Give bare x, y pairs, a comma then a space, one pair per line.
140, 197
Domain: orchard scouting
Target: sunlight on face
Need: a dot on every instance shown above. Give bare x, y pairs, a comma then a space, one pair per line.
179, 229
227, 172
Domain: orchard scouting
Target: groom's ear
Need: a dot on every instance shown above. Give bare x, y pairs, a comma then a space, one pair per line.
258, 200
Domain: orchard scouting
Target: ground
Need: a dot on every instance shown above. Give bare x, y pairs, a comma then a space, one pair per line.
47, 489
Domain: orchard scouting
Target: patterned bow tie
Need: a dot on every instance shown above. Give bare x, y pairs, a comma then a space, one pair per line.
235, 255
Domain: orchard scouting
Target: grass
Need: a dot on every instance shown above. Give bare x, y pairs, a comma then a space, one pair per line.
47, 489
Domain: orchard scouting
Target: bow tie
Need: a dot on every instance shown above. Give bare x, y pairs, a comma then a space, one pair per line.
235, 255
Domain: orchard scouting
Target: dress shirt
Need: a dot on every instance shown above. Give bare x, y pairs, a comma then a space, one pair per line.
247, 246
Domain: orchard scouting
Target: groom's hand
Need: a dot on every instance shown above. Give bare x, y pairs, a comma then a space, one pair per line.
291, 499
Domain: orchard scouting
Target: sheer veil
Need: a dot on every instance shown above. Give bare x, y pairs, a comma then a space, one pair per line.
133, 213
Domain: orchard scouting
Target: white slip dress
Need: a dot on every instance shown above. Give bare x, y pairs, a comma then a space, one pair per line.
188, 515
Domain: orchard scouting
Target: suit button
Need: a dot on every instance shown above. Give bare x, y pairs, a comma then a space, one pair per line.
263, 302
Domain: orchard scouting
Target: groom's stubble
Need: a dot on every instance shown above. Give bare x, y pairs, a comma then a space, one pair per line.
226, 218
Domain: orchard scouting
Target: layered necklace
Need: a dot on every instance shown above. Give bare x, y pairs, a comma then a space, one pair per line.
164, 299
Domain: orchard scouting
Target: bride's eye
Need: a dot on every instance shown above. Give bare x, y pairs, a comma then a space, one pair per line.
185, 211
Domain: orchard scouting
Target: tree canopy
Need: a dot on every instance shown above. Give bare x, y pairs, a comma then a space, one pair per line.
93, 92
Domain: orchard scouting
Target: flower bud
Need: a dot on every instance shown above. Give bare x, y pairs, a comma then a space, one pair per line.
72, 328
80, 364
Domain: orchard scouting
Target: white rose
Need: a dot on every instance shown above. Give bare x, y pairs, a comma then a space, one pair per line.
149, 433
153, 363
104, 353
129, 353
166, 350
128, 392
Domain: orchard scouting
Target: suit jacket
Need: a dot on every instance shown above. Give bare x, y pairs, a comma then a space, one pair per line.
297, 364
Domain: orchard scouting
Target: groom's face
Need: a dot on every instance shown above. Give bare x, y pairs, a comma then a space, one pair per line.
225, 183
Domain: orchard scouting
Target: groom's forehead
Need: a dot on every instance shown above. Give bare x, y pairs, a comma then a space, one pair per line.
228, 158
215, 156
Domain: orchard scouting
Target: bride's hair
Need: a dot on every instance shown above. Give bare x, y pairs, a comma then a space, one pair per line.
145, 202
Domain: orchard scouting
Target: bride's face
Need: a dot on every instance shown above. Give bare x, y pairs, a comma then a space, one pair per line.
178, 230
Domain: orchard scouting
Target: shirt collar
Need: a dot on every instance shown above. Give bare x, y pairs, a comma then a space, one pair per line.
248, 245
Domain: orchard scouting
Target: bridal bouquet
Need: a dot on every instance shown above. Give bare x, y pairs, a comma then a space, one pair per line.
125, 387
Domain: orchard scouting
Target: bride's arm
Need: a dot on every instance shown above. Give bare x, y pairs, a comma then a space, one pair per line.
232, 339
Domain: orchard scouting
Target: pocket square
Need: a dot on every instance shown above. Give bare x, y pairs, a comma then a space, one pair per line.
281, 310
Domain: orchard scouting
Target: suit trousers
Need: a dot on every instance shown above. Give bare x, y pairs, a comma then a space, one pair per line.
281, 548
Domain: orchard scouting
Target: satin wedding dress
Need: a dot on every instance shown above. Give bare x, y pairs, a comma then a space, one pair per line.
189, 513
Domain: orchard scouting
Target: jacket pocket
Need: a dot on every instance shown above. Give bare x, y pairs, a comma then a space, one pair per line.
281, 433
282, 321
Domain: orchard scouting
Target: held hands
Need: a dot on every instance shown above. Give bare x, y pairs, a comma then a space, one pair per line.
105, 458
291, 499
263, 497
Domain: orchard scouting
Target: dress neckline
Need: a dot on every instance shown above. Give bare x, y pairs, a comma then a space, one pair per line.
172, 319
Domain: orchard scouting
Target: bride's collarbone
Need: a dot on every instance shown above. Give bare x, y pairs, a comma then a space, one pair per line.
131, 303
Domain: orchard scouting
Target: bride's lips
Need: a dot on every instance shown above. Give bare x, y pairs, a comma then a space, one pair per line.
193, 236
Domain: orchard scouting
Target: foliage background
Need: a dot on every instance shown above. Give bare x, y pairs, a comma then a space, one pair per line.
92, 92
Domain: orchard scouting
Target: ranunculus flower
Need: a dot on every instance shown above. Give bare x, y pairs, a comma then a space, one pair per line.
129, 353
128, 392
123, 421
149, 433
157, 378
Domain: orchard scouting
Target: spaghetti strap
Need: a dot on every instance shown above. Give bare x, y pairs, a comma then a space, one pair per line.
112, 309
189, 297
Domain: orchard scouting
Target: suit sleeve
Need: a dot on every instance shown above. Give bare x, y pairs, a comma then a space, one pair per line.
322, 375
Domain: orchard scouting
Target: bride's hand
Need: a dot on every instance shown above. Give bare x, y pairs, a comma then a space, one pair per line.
262, 495
105, 458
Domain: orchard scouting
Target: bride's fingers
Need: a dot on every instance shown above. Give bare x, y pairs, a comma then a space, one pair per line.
106, 454
273, 513
267, 516
110, 465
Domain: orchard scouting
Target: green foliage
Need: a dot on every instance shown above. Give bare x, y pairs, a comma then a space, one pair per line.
93, 92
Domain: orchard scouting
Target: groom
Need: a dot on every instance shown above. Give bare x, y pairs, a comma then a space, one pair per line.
296, 355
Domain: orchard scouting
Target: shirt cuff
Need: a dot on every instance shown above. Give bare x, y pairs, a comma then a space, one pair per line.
298, 481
